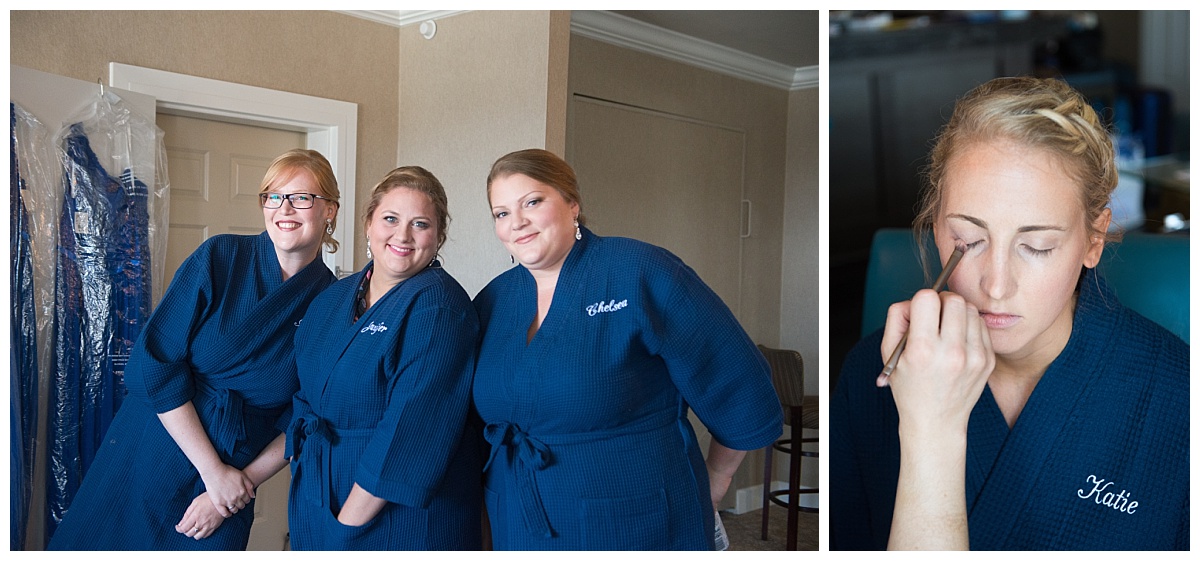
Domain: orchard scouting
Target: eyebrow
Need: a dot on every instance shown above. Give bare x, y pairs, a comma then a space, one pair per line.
524, 197
1022, 229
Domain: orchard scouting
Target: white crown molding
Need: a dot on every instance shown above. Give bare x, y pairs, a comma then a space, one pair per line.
640, 36
399, 18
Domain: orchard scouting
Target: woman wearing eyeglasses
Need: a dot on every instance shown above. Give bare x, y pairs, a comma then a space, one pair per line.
211, 380
381, 454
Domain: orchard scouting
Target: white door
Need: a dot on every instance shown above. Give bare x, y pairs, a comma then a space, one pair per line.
216, 169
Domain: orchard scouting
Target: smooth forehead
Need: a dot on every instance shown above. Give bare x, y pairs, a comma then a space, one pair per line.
508, 188
295, 180
1003, 182
407, 200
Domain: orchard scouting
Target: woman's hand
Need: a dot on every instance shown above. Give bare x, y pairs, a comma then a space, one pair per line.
229, 489
945, 364
360, 507
937, 382
201, 518
722, 463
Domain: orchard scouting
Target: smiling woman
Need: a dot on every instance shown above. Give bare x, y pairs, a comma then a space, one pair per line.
383, 454
1000, 426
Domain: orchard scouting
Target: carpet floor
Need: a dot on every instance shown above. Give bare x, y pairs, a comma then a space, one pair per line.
745, 531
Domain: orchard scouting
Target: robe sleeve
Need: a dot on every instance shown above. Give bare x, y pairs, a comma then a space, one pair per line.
429, 395
851, 521
711, 360
160, 372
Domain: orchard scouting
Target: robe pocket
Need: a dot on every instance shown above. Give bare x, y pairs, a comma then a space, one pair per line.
340, 537
629, 523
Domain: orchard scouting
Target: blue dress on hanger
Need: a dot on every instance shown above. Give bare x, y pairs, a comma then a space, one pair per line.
591, 446
222, 338
102, 286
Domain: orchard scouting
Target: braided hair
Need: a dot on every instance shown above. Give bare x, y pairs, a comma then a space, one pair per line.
1035, 112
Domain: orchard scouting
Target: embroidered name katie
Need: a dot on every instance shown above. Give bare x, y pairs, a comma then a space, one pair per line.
374, 328
1103, 496
600, 307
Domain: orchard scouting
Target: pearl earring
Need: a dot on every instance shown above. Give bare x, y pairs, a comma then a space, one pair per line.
578, 234
329, 226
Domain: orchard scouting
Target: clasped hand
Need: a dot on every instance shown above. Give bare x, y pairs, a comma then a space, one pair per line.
228, 488
945, 364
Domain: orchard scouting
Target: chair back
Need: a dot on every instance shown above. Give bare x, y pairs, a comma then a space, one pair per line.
1148, 272
787, 374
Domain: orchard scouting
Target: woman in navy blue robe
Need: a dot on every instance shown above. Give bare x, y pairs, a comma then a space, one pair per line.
211, 379
593, 351
1029, 409
381, 454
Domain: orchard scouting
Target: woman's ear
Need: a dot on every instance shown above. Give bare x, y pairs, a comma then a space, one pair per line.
1096, 244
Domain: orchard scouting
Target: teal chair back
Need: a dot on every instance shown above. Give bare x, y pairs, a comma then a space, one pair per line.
1148, 272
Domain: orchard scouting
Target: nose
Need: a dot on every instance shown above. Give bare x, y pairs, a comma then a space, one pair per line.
998, 279
518, 220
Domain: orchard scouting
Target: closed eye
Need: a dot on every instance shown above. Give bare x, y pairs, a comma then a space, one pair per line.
1037, 252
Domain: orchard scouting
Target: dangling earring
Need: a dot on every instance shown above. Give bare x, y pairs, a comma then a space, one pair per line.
512, 259
329, 226
578, 234
369, 256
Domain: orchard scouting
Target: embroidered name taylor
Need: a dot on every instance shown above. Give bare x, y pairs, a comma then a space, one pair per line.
600, 307
374, 328
1099, 492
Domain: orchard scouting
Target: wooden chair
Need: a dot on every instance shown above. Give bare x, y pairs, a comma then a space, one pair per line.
799, 412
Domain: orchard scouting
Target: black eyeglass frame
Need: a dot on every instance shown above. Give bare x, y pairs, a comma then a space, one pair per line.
262, 198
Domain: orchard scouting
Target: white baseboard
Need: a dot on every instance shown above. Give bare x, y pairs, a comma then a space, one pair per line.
750, 498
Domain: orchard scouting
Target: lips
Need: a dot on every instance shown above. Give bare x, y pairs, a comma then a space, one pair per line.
525, 239
288, 225
402, 251
999, 321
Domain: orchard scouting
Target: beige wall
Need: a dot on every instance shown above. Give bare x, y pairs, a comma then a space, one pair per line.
315, 53
488, 83
800, 301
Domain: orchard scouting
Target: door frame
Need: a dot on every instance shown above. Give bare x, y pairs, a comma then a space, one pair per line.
330, 126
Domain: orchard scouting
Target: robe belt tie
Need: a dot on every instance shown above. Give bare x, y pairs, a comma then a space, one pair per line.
532, 455
226, 413
310, 441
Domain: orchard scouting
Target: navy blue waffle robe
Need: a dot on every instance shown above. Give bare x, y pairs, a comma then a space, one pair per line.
384, 402
591, 447
1097, 460
221, 338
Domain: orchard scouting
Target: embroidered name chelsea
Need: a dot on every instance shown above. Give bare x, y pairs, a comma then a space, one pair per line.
374, 328
1099, 492
600, 307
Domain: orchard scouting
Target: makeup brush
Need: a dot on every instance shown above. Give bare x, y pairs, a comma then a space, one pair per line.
938, 285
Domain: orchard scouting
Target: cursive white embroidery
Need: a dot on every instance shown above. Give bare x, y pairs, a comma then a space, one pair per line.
601, 307
374, 328
1102, 496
